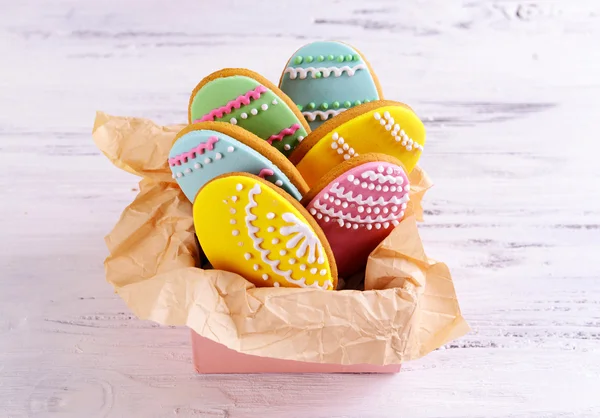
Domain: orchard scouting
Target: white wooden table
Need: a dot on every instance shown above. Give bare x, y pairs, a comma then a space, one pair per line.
510, 93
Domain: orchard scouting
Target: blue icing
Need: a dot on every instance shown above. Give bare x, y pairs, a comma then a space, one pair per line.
360, 86
228, 155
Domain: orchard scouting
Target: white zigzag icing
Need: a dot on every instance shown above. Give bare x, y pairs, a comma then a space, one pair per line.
288, 217
381, 178
347, 217
311, 116
325, 71
339, 192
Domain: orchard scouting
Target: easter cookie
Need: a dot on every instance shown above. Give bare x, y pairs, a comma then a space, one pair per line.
244, 98
247, 226
327, 78
382, 126
205, 150
357, 204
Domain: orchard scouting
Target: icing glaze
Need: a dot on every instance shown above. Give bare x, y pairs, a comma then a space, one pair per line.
364, 134
246, 102
267, 242
346, 207
336, 79
198, 156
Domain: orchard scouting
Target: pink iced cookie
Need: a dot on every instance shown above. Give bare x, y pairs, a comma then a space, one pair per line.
359, 207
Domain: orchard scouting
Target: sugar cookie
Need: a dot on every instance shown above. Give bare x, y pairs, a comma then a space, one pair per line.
244, 98
382, 126
205, 150
247, 226
357, 204
327, 78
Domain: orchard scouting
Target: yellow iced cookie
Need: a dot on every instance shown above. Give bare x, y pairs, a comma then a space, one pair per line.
250, 227
381, 126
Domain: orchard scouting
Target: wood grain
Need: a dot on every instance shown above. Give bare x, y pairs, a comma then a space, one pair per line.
510, 94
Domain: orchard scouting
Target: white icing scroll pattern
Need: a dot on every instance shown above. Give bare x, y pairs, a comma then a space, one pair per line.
311, 116
303, 236
302, 73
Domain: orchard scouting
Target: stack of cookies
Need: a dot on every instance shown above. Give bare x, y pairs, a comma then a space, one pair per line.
295, 185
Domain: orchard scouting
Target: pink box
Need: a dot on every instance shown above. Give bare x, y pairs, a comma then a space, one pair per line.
211, 357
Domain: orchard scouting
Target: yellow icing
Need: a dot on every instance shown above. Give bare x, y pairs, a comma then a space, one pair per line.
221, 220
364, 134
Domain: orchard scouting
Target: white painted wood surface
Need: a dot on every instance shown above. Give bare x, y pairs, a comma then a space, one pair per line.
510, 92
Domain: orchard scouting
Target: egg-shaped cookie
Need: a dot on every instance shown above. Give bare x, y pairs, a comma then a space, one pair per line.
357, 204
325, 78
383, 126
250, 227
205, 150
244, 98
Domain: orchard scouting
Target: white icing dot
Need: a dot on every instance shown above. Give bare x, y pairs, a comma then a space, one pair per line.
233, 121
340, 222
270, 215
376, 211
377, 116
233, 222
334, 145
326, 219
232, 211
264, 106
403, 206
393, 189
348, 225
292, 261
371, 186
240, 244
369, 210
265, 277
276, 284
380, 169
397, 138
300, 138
235, 232
197, 166
313, 270
323, 272
386, 225
173, 175
331, 199
410, 141
188, 170
335, 136
388, 127
345, 147
275, 241
396, 127
341, 141
369, 227
391, 120
389, 170
247, 256
350, 177
256, 267
344, 205
179, 175
279, 183
363, 185
337, 201
274, 101
378, 188
270, 229
402, 133
287, 147
356, 182
282, 252
340, 151
230, 149
408, 148
360, 209
346, 157
382, 122
394, 208
351, 151
355, 226
207, 160
319, 216
254, 111
385, 188
218, 156
395, 222
386, 115
313, 211
239, 187
377, 226
407, 188
244, 116
385, 210
302, 267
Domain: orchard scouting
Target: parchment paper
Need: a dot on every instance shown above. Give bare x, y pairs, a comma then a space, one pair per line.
408, 309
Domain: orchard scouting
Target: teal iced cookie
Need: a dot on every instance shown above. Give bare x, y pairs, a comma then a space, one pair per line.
206, 150
244, 98
327, 78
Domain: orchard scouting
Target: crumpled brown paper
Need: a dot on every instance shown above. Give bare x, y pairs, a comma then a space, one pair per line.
408, 309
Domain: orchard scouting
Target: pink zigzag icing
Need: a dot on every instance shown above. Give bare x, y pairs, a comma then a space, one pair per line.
198, 150
287, 131
244, 99
265, 172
